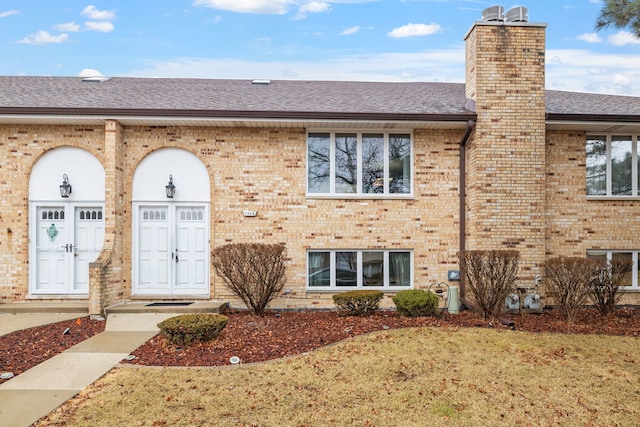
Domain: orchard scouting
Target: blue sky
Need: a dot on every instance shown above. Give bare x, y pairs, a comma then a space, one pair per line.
385, 40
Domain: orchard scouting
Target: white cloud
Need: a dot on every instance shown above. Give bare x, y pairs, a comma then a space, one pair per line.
414, 30
623, 38
71, 27
443, 65
350, 30
89, 72
279, 7
101, 26
315, 7
312, 7
43, 37
98, 15
583, 70
590, 38
8, 13
620, 80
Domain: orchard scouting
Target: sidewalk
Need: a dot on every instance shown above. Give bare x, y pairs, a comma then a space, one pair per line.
38, 391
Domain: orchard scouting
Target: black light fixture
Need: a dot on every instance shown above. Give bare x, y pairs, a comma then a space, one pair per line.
65, 187
171, 189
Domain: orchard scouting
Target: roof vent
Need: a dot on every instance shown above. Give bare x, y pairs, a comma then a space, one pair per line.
95, 79
517, 14
261, 82
493, 14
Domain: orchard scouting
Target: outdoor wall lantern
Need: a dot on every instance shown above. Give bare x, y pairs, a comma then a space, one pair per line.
65, 187
171, 189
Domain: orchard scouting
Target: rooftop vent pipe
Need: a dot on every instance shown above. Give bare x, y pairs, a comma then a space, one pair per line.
95, 79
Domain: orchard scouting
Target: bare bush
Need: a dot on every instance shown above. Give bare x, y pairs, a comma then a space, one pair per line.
254, 272
567, 281
608, 277
490, 277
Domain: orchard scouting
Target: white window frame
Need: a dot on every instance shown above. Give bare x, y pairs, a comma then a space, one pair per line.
359, 252
332, 167
635, 286
634, 167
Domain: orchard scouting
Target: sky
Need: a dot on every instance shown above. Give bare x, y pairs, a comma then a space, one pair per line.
360, 40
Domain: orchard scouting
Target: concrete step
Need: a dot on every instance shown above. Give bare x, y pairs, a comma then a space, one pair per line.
79, 307
177, 307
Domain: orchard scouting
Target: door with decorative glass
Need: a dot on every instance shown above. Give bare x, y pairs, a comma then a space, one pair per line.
68, 238
172, 251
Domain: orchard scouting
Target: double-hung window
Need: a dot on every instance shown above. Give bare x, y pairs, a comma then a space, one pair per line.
612, 166
630, 279
349, 164
352, 269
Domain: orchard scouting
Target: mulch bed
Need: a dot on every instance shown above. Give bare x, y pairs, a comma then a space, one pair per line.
21, 350
287, 333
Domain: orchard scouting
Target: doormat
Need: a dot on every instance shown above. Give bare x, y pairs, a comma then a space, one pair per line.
169, 304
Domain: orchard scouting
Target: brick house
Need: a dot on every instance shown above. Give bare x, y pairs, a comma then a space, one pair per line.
375, 185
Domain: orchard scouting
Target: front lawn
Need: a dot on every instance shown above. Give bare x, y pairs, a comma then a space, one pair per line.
451, 376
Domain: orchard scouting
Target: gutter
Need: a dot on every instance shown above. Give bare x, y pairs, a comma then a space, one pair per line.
471, 124
107, 113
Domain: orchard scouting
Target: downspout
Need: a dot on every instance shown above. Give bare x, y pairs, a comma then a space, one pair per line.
471, 124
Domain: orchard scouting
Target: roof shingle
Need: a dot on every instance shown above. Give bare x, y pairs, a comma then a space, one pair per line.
279, 97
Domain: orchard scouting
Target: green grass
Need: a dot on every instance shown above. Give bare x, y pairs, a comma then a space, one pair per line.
405, 377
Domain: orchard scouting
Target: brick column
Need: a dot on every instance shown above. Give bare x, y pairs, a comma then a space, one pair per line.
107, 274
506, 155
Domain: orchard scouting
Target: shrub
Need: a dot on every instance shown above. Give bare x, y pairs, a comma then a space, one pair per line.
254, 272
608, 278
489, 276
358, 303
416, 302
567, 280
186, 329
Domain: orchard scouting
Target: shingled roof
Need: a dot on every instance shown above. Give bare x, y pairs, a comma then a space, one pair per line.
278, 99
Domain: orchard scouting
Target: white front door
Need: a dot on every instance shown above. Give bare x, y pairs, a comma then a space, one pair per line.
172, 258
68, 238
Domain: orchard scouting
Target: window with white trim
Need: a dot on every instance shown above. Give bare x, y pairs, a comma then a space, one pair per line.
359, 164
352, 269
612, 165
630, 280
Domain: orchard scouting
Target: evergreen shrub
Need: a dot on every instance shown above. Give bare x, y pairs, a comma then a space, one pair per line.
416, 303
187, 329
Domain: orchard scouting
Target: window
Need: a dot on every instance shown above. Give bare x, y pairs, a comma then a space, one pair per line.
348, 269
631, 279
612, 165
353, 163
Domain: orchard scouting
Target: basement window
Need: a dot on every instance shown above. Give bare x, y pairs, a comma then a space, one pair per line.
359, 269
630, 279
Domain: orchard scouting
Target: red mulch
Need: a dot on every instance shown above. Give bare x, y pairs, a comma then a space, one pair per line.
280, 334
21, 350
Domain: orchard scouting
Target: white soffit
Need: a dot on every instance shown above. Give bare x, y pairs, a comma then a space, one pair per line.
604, 127
230, 122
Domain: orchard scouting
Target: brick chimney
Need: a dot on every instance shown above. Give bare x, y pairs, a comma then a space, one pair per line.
505, 176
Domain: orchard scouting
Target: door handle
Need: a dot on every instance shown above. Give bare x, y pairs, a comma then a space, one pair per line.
176, 254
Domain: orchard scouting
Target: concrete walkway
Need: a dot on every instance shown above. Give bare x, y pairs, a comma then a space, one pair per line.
31, 395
